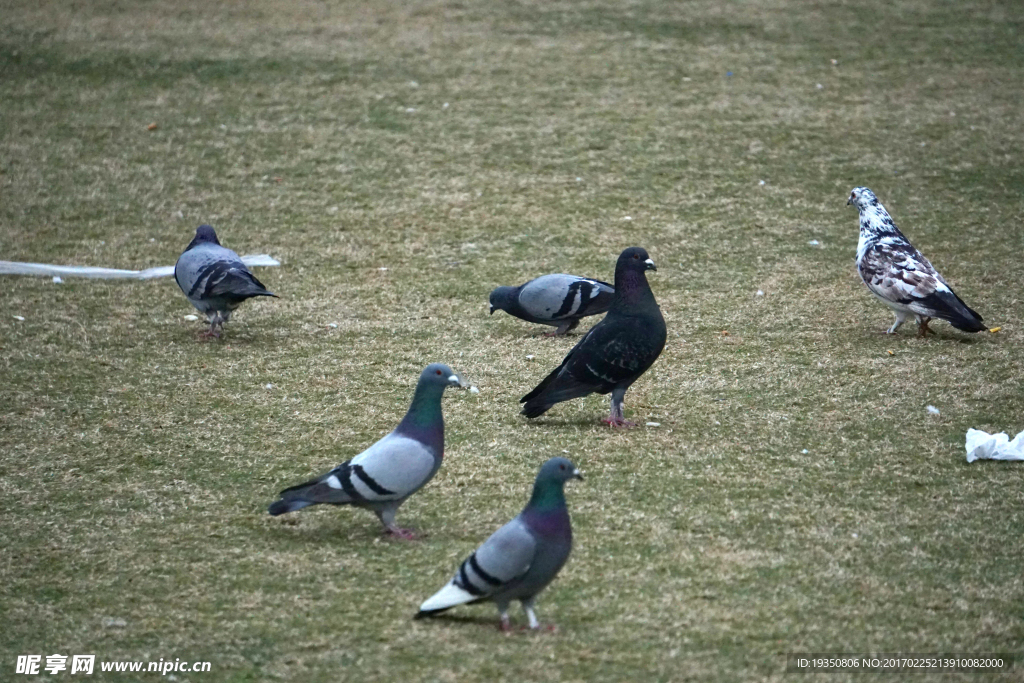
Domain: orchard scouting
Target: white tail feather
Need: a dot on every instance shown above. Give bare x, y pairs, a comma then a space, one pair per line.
449, 596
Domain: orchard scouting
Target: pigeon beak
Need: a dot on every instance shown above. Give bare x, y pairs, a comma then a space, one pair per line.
457, 382
650, 265
492, 309
576, 474
850, 200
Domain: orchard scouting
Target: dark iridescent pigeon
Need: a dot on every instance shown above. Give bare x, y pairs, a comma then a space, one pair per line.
558, 300
214, 279
899, 275
521, 558
614, 352
383, 476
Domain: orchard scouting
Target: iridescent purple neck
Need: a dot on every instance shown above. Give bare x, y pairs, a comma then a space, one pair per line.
550, 523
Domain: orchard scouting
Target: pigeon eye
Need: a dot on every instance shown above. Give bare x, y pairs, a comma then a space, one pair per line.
636, 256
438, 372
562, 467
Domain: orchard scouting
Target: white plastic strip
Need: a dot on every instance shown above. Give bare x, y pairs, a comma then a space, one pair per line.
17, 268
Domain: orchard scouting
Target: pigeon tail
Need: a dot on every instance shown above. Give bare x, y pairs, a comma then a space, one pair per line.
950, 307
279, 507
968, 324
558, 386
444, 599
532, 410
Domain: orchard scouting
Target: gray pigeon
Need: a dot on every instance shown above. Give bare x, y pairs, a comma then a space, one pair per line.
521, 558
900, 275
383, 476
558, 300
214, 279
614, 352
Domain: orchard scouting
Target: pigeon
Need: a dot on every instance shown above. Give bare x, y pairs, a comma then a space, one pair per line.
214, 279
383, 476
521, 558
900, 275
558, 300
614, 352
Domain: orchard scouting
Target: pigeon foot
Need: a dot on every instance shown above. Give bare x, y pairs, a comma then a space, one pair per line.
505, 626
923, 329
618, 422
210, 334
402, 534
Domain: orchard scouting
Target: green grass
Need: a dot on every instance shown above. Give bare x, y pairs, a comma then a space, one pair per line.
137, 461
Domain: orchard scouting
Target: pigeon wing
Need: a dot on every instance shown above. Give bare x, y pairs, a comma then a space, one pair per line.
391, 469
561, 296
231, 280
614, 351
899, 273
494, 567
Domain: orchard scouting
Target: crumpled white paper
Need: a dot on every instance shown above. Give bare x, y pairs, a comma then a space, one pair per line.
984, 446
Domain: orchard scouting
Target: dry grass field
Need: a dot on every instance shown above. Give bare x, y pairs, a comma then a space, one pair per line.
402, 159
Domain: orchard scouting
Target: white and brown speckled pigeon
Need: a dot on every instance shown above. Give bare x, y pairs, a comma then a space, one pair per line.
614, 352
383, 476
558, 300
900, 275
214, 279
521, 558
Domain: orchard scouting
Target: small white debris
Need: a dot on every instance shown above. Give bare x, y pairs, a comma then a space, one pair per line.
819, 86
627, 218
653, 424
444, 106
854, 535
686, 79
382, 268
102, 242
268, 385
530, 357
114, 622
191, 318
332, 325
474, 390
413, 84
932, 409
179, 214
835, 62
22, 319
332, 209
760, 182
579, 180
805, 451
565, 450
223, 127
759, 293
410, 110
152, 239
814, 243
57, 280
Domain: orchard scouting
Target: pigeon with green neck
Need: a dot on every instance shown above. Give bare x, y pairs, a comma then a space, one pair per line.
383, 476
521, 558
